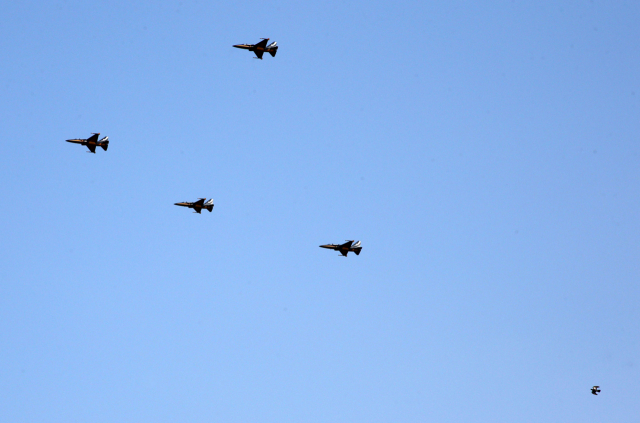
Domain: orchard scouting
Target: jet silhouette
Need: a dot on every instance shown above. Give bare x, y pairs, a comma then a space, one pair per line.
198, 205
92, 142
595, 390
345, 248
260, 48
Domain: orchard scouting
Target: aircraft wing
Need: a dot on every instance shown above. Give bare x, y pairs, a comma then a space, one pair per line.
347, 244
92, 147
259, 53
200, 202
93, 138
198, 210
262, 43
344, 252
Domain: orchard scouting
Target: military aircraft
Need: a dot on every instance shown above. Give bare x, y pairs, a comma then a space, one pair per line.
260, 48
198, 205
595, 390
345, 248
92, 142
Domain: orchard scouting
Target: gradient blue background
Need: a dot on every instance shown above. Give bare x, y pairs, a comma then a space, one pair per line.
485, 154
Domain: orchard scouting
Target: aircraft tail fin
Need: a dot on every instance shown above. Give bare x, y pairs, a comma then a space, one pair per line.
104, 143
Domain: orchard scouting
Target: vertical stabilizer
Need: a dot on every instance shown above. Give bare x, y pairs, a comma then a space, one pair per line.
104, 143
273, 49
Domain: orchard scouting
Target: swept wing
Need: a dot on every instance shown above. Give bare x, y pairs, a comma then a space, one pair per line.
262, 43
93, 138
198, 205
347, 244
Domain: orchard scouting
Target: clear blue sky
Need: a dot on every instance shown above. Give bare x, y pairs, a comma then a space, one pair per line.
486, 155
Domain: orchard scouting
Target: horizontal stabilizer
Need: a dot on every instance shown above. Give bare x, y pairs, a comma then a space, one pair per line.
357, 251
273, 51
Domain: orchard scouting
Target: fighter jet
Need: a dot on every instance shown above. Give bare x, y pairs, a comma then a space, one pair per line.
595, 390
198, 205
345, 248
92, 142
260, 48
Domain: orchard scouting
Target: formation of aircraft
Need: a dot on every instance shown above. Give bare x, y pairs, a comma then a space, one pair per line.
198, 205
92, 142
345, 248
260, 48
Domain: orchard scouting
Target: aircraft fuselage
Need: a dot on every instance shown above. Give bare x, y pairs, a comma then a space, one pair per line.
253, 47
331, 246
249, 47
190, 205
337, 248
82, 142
